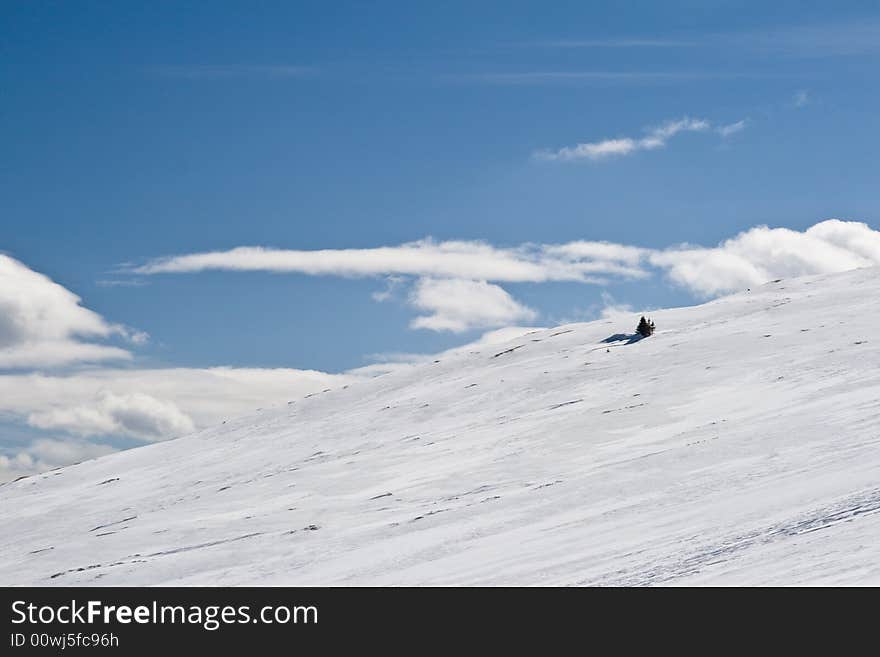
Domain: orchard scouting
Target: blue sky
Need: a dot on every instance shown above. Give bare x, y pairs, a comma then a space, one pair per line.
133, 132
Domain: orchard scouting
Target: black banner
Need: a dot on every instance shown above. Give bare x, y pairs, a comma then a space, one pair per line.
128, 621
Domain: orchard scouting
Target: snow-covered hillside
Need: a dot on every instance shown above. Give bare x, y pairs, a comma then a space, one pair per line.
738, 445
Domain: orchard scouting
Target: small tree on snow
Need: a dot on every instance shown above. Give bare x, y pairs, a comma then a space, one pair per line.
645, 327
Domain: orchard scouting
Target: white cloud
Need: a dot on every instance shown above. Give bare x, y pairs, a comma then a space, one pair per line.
426, 258
656, 138
147, 404
459, 305
761, 254
47, 453
608, 257
121, 282
801, 98
137, 337
392, 284
56, 452
136, 415
151, 404
43, 323
612, 308
731, 128
17, 465
755, 256
853, 236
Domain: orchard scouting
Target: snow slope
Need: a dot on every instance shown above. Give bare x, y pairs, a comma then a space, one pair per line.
738, 445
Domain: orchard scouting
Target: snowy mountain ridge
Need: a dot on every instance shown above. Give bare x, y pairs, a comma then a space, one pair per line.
740, 444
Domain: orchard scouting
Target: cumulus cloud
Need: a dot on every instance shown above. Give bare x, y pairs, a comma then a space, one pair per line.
459, 305
852, 236
762, 253
600, 150
135, 415
43, 324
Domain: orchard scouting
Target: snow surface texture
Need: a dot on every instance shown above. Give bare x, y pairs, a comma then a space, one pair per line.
738, 445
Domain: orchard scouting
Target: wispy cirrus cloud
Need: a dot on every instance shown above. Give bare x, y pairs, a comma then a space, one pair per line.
121, 282
599, 150
731, 128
